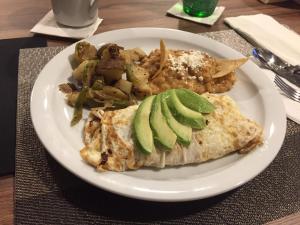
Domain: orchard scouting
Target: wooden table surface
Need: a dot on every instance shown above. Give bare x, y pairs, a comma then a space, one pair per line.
17, 17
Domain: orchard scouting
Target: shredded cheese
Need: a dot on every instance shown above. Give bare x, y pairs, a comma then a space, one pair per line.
191, 59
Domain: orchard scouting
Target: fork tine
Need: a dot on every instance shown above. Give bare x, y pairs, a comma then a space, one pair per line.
289, 91
288, 87
283, 86
290, 96
287, 94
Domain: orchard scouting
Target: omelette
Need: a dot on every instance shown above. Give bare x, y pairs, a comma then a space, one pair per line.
110, 146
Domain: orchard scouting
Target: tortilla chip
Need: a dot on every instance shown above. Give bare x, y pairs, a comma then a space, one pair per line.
226, 66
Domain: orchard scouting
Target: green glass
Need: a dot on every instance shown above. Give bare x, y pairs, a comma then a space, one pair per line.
199, 8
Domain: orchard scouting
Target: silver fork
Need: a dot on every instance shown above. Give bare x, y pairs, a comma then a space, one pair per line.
287, 89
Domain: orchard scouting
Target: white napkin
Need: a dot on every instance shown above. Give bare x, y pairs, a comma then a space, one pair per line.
270, 34
177, 10
48, 25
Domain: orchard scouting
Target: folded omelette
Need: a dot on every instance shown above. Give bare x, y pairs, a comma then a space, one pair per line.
109, 143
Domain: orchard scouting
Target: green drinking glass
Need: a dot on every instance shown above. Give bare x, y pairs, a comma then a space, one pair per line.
199, 8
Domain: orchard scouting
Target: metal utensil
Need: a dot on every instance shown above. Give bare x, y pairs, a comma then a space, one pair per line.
287, 89
278, 65
275, 61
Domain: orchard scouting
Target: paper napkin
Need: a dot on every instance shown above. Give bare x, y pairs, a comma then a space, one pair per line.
177, 10
48, 25
269, 34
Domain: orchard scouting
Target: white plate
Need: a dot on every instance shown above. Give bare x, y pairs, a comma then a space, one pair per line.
253, 92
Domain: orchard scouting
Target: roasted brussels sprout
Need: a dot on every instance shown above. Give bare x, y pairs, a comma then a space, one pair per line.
124, 85
139, 77
111, 75
114, 92
86, 68
98, 84
111, 65
132, 55
109, 51
84, 51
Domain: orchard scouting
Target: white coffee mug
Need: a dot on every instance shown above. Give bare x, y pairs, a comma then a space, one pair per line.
75, 13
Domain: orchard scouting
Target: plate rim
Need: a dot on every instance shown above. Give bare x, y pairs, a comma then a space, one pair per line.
140, 194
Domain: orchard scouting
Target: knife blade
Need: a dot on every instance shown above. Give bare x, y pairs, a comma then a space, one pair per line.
278, 65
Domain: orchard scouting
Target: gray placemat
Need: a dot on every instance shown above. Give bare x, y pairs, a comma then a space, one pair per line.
45, 193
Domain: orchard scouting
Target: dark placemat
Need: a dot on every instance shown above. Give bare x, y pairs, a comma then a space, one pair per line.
9, 57
48, 194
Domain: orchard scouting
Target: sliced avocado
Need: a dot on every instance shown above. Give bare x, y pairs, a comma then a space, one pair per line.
163, 134
183, 114
194, 101
142, 130
184, 133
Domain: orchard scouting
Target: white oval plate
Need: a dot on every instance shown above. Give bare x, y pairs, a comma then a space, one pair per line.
253, 92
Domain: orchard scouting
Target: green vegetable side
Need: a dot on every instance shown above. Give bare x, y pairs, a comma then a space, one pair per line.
166, 118
98, 78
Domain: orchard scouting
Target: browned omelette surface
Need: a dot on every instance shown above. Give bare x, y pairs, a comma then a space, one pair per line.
110, 146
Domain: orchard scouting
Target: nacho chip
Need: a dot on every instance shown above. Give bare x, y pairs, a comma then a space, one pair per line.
226, 66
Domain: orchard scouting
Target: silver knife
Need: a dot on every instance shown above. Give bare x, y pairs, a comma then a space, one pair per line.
278, 65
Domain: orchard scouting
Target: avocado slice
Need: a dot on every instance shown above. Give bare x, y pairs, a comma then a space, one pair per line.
163, 134
194, 101
183, 114
184, 133
142, 130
